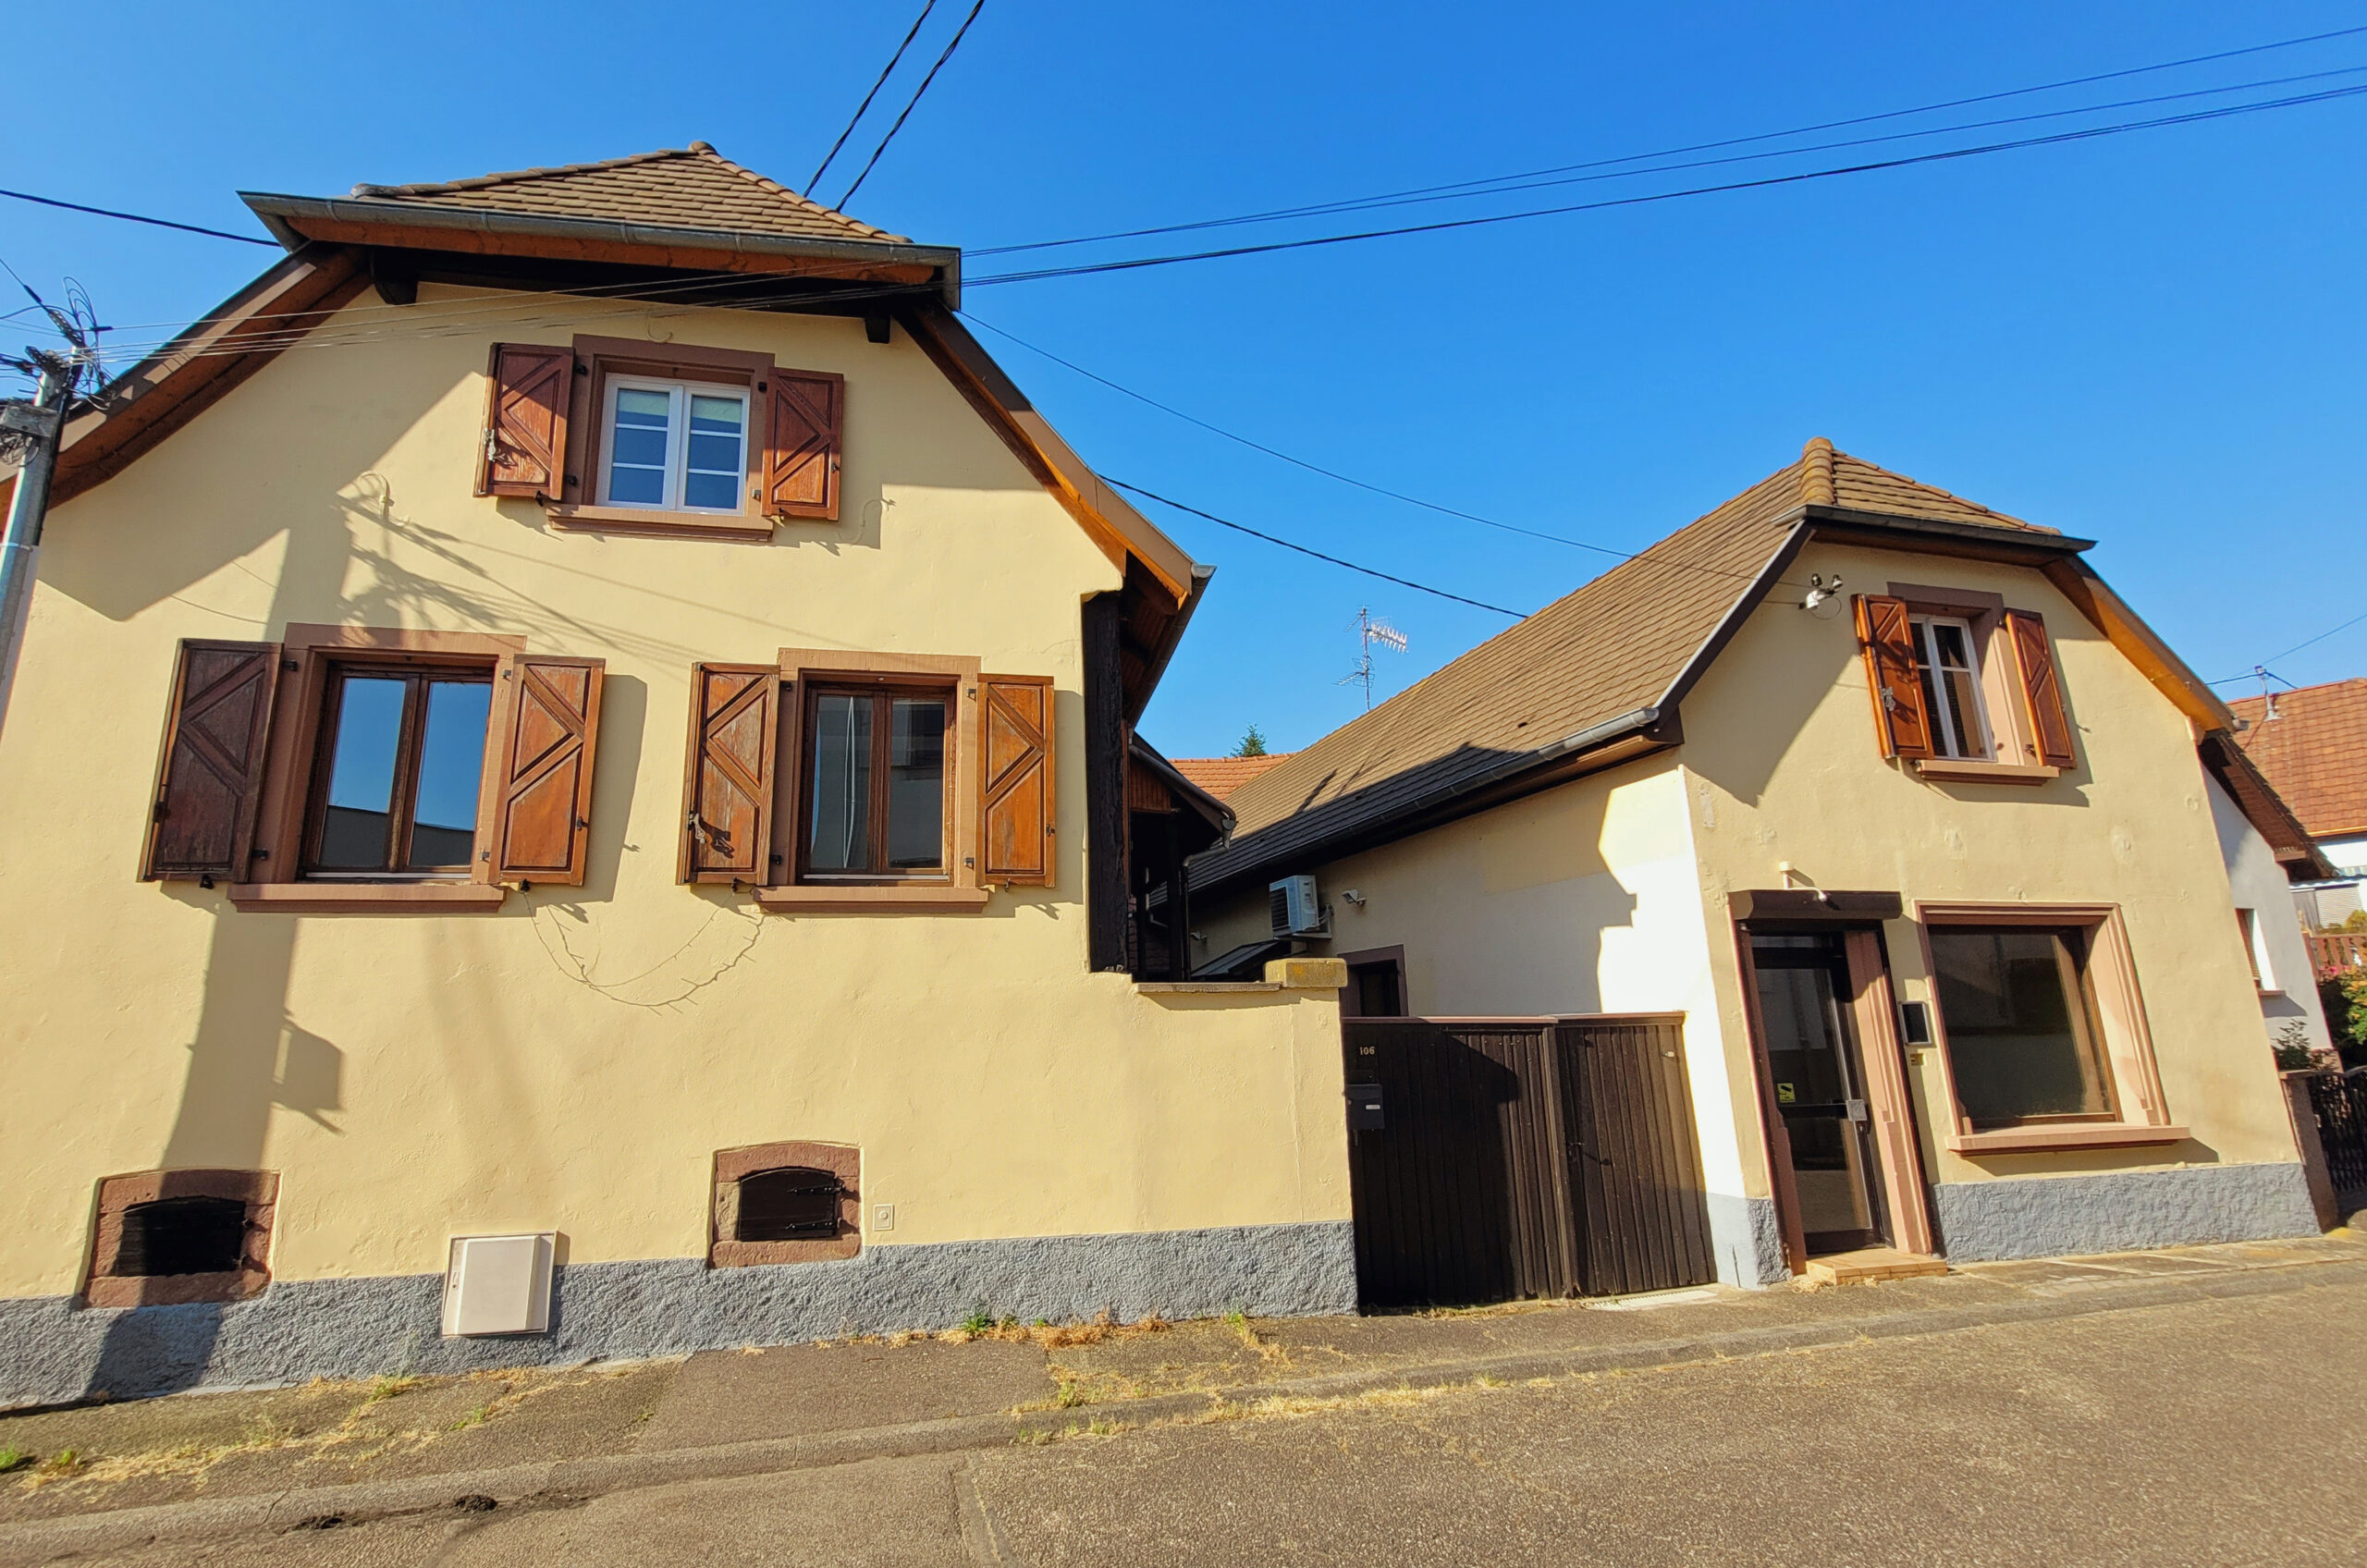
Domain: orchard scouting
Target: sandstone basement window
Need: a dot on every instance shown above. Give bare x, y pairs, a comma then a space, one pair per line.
167, 1237
786, 1202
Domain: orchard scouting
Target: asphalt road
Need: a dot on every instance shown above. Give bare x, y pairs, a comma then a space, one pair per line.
2216, 1432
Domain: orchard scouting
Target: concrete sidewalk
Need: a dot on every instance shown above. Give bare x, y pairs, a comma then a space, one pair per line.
98, 1478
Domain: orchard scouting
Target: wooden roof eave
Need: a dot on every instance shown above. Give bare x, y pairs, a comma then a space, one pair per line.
2249, 788
420, 225
1107, 517
139, 409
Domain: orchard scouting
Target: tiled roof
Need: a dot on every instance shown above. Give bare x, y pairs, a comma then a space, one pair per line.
1605, 651
2315, 750
694, 186
1222, 776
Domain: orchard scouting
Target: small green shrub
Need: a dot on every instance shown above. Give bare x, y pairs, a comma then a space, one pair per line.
13, 1458
979, 1322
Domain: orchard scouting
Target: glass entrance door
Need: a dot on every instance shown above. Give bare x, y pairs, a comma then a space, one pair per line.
1819, 1089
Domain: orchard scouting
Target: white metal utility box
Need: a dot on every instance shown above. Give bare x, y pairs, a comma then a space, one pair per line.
499, 1284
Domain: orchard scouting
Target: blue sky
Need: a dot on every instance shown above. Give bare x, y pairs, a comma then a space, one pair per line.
2153, 340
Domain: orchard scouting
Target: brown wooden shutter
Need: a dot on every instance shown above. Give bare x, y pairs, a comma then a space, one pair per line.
210, 778
525, 426
803, 430
1888, 642
2041, 688
542, 819
727, 808
1015, 793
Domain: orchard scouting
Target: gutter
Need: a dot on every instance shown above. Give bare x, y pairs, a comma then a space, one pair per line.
1653, 723
282, 214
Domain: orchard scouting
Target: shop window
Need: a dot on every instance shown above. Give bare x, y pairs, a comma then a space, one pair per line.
2023, 1038
2040, 1024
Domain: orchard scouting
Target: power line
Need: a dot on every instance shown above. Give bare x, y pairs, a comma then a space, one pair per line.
961, 33
1270, 539
1442, 225
1505, 189
135, 217
1285, 457
1472, 186
865, 107
2254, 674
1334, 473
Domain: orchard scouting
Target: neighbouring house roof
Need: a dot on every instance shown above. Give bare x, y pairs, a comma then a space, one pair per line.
2314, 752
1222, 776
1185, 791
1596, 677
694, 187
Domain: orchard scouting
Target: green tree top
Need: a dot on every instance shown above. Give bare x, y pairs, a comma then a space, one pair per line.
1252, 744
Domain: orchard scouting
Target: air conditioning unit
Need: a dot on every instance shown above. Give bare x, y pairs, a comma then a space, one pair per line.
1295, 910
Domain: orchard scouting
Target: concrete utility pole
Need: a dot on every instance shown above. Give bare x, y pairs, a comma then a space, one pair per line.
37, 428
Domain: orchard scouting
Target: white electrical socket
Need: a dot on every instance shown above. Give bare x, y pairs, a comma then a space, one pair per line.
883, 1217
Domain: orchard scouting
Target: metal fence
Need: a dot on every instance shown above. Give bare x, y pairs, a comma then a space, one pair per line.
2340, 1105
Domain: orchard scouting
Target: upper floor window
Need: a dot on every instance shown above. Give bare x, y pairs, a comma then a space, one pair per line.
1951, 678
674, 445
1963, 686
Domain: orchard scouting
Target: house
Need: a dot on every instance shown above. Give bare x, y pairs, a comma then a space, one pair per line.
2311, 744
647, 848
2271, 864
1852, 846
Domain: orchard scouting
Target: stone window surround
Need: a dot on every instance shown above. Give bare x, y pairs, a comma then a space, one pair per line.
259, 1190
2120, 1006
843, 1160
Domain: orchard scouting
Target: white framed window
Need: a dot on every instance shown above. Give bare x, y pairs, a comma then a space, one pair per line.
674, 445
1951, 676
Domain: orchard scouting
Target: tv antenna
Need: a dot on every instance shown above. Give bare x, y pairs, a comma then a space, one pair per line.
1368, 632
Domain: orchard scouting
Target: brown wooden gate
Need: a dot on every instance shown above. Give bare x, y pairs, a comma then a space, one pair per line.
1493, 1158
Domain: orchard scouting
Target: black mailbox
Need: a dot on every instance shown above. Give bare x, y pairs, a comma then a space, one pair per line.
1915, 1020
1364, 1109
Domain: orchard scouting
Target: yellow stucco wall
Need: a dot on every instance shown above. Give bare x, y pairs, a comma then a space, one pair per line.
1782, 765
573, 1060
1583, 898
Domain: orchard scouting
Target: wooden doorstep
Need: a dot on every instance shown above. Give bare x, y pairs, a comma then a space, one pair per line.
1870, 1264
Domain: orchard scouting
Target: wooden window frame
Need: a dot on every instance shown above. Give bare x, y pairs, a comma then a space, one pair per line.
882, 692
678, 393
410, 739
2139, 1113
2013, 750
258, 1190
808, 669
843, 1160
598, 360
311, 657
